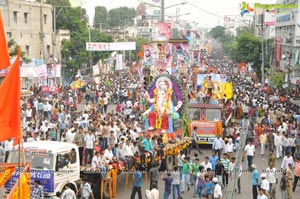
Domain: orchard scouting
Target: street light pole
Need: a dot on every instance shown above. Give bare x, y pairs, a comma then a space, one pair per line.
162, 11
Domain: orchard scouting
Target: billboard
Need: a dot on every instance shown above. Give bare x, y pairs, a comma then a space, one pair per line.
269, 19
163, 32
114, 46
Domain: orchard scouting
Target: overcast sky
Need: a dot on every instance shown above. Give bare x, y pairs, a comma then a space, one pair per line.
217, 7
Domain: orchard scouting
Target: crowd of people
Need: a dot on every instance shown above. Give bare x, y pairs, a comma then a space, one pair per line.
106, 136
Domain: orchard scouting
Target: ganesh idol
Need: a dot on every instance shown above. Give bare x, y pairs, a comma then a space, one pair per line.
162, 111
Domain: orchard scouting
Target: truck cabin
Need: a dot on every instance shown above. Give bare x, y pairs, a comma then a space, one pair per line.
205, 112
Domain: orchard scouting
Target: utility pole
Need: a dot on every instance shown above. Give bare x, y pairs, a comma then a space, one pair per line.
42, 30
162, 11
262, 51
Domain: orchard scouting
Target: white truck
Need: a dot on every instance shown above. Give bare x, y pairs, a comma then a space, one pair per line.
47, 165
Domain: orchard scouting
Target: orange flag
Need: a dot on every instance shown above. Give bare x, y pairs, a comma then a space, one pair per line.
4, 54
10, 125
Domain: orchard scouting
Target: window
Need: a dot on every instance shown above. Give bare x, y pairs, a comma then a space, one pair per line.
194, 113
9, 35
25, 17
213, 114
48, 49
15, 16
27, 50
45, 19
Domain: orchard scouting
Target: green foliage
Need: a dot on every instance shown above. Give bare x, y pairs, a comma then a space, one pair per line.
101, 19
74, 54
13, 51
248, 48
121, 16
276, 78
219, 33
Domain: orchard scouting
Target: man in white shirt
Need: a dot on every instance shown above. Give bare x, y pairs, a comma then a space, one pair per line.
278, 144
68, 193
288, 159
70, 135
8, 146
264, 183
108, 153
217, 190
89, 144
250, 152
218, 145
271, 172
154, 191
206, 164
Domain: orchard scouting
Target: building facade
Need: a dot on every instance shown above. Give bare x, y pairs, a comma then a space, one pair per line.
287, 46
30, 24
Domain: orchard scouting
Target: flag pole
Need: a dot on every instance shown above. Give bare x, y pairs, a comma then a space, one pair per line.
19, 165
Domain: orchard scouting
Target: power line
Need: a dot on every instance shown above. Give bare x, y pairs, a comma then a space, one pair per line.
208, 12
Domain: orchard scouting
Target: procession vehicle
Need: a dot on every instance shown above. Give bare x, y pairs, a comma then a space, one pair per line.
46, 160
206, 111
165, 103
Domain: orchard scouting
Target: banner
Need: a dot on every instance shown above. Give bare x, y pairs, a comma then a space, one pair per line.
96, 70
114, 46
182, 52
230, 21
163, 32
270, 18
196, 57
148, 60
119, 62
41, 71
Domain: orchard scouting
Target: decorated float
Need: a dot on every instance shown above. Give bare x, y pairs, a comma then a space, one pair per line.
165, 106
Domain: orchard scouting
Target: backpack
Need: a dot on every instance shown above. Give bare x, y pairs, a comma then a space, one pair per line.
148, 194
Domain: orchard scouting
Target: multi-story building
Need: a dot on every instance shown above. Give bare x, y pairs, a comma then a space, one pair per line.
287, 44
30, 24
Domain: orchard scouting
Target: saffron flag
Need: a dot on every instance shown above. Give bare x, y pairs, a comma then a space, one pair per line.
10, 125
4, 54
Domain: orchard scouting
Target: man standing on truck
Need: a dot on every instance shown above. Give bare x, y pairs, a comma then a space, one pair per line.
218, 145
89, 143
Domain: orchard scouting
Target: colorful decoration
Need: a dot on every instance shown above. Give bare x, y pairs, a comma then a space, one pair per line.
162, 95
246, 8
6, 174
78, 83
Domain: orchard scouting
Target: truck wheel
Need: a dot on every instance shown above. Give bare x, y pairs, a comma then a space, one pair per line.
169, 163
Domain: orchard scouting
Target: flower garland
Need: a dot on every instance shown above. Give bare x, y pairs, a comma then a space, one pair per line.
158, 120
4, 177
25, 187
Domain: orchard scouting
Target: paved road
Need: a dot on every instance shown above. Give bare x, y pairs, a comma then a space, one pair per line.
124, 191
246, 187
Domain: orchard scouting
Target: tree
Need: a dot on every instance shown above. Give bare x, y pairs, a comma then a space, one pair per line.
140, 42
120, 17
219, 33
13, 51
101, 17
74, 54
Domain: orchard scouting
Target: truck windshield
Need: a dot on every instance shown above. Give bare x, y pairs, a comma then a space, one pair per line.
38, 160
194, 113
213, 115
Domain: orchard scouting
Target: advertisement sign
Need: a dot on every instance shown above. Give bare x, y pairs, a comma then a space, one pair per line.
182, 52
46, 178
269, 19
196, 57
148, 60
114, 46
96, 70
41, 71
163, 32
